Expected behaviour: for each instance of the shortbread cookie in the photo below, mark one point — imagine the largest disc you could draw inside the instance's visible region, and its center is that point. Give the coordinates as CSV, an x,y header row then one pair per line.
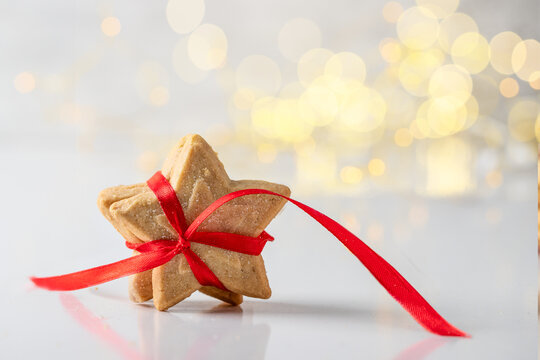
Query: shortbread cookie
x,y
199,178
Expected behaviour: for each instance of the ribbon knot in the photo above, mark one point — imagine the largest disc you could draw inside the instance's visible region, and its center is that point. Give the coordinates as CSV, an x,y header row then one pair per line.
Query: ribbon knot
x,y
182,245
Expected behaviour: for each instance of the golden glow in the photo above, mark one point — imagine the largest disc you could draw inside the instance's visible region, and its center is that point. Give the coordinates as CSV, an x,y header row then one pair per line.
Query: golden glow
x,y
318,105
363,110
279,119
183,66
448,166
185,15
471,51
446,116
243,99
509,87
266,153
403,137
440,8
522,119
259,74
298,36
159,96
502,45
534,80
391,50
111,26
392,11
312,65
451,81
24,82
376,167
526,59
453,27
494,179
351,175
416,69
417,28
207,47
346,65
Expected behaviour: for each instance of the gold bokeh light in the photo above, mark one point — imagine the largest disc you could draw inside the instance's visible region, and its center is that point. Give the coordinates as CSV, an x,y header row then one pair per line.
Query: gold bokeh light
x,y
418,28
207,47
24,82
185,15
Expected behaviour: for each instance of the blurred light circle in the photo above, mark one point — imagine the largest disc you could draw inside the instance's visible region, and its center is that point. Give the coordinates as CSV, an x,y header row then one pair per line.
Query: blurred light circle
x,y
537,129
291,90
416,69
150,75
363,110
183,66
243,99
24,82
266,152
339,87
391,50
446,116
318,105
159,96
351,174
526,59
346,65
509,87
451,80
440,8
392,11
298,36
473,109
403,137
185,15
260,74
207,47
522,118
312,65
400,107
111,26
417,28
279,119
262,116
453,27
534,80
502,45
288,125
376,167
471,51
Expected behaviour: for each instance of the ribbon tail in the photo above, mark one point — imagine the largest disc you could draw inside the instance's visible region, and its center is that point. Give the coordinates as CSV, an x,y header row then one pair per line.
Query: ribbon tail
x,y
201,271
102,274
396,285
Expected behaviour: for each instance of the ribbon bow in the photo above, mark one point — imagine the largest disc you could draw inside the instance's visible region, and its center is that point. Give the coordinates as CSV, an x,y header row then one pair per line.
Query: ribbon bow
x,y
158,252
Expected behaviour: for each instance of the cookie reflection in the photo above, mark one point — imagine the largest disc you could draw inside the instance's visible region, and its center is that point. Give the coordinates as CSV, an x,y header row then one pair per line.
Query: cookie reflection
x,y
196,330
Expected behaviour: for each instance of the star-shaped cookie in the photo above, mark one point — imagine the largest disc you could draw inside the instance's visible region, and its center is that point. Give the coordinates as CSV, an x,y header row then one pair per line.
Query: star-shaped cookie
x,y
198,178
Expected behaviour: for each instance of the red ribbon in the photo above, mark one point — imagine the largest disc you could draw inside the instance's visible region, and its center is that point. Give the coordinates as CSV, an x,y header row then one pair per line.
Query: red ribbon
x,y
158,252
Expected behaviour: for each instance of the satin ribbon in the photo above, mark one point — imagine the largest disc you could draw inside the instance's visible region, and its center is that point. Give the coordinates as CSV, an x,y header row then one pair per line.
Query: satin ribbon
x,y
158,252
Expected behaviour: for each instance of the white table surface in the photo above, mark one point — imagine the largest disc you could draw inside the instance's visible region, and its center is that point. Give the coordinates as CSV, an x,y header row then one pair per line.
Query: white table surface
x,y
474,259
